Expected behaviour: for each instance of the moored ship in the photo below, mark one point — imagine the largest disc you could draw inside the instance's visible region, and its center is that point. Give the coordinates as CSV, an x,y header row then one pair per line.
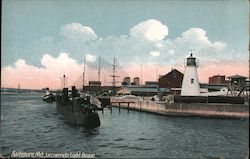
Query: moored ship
x,y
78,108
48,97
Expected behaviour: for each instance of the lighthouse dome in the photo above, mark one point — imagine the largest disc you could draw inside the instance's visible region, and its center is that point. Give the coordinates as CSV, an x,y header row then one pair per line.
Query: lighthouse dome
x,y
191,61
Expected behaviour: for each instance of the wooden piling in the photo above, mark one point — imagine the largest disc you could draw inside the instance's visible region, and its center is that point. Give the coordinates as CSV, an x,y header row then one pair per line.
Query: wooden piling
x,y
119,107
128,107
110,109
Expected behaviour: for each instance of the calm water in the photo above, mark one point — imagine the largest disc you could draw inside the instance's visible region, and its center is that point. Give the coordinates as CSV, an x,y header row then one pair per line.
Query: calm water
x,y
28,124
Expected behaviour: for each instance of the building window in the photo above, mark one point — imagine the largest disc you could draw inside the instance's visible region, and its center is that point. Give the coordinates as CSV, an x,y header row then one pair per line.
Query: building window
x,y
192,80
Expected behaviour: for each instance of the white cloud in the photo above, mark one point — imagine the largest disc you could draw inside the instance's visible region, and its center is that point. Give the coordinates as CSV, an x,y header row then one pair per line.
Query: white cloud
x,y
159,45
20,63
62,62
171,52
219,45
155,53
78,31
145,37
30,76
196,34
196,38
90,58
151,47
151,30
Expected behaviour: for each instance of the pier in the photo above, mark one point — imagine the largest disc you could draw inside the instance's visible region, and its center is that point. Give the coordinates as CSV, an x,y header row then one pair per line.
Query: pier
x,y
216,110
128,103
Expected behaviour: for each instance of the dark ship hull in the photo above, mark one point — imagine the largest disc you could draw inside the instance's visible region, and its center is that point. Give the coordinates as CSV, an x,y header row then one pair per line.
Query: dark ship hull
x,y
49,98
77,110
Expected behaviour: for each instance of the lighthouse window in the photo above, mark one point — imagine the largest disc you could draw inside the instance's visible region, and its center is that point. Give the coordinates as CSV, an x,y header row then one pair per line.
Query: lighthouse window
x,y
192,80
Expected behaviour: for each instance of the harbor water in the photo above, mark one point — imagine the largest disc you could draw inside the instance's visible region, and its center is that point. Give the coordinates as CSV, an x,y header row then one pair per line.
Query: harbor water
x,y
28,124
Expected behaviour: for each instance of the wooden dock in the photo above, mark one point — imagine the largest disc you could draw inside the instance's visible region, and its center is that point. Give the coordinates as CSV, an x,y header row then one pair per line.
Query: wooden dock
x,y
128,103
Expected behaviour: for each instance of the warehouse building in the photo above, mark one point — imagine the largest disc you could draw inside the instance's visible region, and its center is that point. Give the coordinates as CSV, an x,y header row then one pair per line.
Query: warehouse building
x,y
142,91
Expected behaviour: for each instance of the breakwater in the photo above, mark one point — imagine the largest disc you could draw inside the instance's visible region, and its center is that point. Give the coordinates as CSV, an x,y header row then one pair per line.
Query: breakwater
x,y
219,110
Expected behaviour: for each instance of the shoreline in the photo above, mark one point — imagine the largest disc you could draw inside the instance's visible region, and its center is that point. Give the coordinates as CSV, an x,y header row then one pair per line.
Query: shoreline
x,y
223,111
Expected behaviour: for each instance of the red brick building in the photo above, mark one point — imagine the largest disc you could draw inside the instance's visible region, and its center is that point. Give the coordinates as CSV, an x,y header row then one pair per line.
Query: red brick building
x,y
217,79
171,80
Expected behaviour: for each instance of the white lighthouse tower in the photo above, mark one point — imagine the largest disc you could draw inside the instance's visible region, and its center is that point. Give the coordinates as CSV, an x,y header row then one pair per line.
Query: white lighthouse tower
x,y
190,83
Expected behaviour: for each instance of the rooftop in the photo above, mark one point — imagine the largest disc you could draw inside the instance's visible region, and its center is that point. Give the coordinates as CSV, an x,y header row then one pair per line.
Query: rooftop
x,y
236,76
146,89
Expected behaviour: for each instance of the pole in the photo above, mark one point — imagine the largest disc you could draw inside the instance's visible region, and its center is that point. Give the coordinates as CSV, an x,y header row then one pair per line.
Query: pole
x,y
83,75
141,74
99,70
156,72
114,73
64,81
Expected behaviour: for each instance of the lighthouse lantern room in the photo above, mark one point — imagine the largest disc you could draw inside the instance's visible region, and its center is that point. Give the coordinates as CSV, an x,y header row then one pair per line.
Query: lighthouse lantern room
x,y
190,83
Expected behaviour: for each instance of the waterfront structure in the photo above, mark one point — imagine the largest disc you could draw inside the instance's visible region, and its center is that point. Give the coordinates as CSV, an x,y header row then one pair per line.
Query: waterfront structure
x,y
238,86
248,85
141,91
188,106
172,81
136,81
190,83
217,79
94,87
95,83
237,80
210,87
151,84
126,81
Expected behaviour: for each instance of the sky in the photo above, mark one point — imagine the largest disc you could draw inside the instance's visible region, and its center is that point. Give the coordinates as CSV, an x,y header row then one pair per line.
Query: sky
x,y
44,39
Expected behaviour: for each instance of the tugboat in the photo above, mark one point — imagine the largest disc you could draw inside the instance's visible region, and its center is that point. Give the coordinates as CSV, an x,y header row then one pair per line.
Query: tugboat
x,y
48,97
78,108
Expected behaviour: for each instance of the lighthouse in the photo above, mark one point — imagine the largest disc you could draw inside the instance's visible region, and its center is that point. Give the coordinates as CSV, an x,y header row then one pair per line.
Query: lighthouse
x,y
190,83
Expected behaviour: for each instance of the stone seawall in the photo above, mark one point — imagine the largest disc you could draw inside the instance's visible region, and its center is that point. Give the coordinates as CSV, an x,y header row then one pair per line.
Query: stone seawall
x,y
182,109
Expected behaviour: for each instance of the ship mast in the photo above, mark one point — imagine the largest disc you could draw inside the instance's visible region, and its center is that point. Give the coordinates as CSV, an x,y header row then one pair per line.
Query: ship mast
x,y
141,74
114,75
64,81
99,70
156,73
83,74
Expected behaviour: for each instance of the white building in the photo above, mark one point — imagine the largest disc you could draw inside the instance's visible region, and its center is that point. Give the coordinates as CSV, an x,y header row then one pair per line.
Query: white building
x,y
190,83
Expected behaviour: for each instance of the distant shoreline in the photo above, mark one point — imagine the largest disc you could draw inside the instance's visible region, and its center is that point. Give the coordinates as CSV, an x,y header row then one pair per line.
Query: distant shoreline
x,y
14,90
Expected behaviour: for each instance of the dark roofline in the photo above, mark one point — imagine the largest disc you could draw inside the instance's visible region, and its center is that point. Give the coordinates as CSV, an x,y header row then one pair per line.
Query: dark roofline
x,y
218,76
213,84
236,76
171,72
